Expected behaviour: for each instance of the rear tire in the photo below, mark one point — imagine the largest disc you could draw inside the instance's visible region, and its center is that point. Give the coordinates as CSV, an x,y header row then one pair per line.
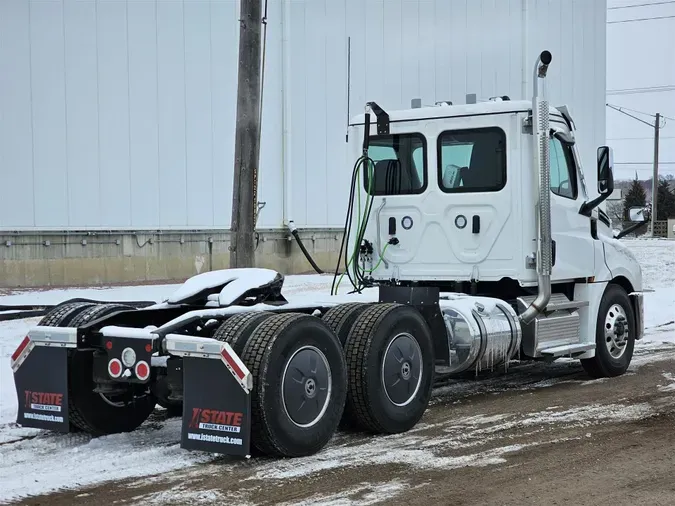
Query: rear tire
x,y
390,363
341,318
299,384
614,335
237,329
61,315
94,413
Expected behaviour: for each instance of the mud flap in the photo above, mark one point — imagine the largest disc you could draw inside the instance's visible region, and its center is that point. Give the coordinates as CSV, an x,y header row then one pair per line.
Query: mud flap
x,y
216,410
216,396
40,366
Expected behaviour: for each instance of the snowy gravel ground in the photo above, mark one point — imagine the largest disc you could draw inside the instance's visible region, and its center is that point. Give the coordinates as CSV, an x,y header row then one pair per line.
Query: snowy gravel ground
x,y
36,462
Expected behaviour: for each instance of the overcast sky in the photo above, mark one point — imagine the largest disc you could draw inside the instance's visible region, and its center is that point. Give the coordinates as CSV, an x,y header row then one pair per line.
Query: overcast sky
x,y
641,76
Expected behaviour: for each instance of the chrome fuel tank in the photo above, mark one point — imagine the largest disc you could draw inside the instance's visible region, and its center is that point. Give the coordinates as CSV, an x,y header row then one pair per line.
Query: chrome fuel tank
x,y
483,332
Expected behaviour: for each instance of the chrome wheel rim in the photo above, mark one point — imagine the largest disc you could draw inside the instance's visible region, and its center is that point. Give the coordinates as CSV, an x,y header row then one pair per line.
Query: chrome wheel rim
x,y
616,331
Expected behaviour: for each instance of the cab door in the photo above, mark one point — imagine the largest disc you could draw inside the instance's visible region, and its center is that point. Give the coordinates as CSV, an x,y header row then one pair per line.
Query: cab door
x,y
571,231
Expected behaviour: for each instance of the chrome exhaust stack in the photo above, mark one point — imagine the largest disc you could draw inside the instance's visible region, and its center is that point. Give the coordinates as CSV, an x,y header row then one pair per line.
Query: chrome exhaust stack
x,y
542,160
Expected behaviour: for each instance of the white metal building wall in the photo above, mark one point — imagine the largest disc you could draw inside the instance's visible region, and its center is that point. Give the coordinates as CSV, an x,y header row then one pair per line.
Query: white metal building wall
x,y
120,114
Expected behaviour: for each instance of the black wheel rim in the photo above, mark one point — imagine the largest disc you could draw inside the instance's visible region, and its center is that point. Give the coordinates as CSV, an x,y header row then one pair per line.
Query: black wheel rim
x,y
402,369
306,386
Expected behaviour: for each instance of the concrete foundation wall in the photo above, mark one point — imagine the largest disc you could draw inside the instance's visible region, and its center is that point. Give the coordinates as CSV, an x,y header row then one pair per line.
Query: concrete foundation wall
x,y
101,258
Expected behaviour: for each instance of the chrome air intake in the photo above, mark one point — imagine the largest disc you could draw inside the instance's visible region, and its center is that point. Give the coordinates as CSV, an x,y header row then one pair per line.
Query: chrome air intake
x,y
483,333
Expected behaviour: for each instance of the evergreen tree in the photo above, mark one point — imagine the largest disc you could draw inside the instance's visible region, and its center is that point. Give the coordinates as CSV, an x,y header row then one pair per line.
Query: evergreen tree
x,y
635,197
665,205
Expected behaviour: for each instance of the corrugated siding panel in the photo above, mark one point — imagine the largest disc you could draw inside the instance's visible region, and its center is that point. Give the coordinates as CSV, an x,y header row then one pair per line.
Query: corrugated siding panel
x,y
16,122
121,114
437,50
82,114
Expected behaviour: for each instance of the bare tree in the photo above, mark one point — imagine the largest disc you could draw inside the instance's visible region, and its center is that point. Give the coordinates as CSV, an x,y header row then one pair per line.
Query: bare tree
x,y
615,213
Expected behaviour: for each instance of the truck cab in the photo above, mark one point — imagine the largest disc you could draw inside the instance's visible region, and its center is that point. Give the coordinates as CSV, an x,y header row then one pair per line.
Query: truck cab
x,y
456,186
490,200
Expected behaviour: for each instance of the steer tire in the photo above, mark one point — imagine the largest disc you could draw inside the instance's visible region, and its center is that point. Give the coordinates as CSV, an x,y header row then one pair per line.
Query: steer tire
x,y
392,343
341,318
90,411
615,302
237,329
287,357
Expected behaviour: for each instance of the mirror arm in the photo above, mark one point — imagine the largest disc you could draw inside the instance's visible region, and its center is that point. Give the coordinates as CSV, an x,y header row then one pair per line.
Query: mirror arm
x,y
587,207
630,229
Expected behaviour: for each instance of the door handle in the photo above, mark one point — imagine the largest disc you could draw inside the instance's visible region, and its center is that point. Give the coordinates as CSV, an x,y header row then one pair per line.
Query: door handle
x,y
392,226
475,224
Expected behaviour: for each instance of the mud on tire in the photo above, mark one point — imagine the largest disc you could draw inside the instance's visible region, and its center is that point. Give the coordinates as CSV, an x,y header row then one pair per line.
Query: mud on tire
x,y
299,384
90,411
614,335
390,364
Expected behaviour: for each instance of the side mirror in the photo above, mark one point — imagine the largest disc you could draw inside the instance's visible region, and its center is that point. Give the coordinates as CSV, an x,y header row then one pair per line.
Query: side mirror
x,y
638,214
605,170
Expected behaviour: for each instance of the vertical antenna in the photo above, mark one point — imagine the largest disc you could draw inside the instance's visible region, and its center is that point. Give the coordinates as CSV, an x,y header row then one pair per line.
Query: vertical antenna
x,y
349,77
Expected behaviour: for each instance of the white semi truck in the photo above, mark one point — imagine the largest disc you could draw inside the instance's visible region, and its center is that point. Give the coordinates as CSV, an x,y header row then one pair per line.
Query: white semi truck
x,y
480,241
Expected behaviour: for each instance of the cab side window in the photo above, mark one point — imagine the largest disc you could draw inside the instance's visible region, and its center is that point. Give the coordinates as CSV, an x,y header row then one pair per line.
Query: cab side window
x,y
563,170
472,160
399,165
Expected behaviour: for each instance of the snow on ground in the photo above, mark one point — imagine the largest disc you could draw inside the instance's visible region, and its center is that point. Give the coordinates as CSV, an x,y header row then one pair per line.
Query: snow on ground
x,y
34,461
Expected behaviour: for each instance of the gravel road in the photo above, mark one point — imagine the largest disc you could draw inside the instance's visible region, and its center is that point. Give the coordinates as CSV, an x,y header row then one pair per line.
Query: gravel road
x,y
539,434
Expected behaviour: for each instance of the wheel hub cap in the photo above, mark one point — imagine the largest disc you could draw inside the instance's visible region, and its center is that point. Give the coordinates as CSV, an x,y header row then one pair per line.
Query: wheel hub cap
x,y
306,386
402,369
616,331
310,388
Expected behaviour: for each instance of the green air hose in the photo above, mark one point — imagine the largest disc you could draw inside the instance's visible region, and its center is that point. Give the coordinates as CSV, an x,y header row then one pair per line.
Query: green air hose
x,y
361,225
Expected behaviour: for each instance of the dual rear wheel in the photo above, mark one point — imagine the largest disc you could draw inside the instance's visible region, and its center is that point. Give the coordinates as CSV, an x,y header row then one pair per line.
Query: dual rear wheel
x,y
362,366
96,413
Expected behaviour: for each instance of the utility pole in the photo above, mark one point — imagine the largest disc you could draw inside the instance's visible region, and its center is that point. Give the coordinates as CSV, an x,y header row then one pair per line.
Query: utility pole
x,y
247,137
655,178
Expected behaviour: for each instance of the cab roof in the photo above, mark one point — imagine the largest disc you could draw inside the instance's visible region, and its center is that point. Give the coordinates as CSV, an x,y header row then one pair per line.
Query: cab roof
x,y
446,111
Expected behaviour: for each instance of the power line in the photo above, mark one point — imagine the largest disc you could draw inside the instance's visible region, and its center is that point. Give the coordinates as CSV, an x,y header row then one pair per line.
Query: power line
x,y
641,5
639,138
635,20
621,110
643,163
632,110
635,91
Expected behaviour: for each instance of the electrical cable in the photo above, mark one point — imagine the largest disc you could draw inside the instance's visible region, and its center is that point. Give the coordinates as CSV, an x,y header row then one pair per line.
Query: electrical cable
x,y
619,109
663,2
351,267
639,19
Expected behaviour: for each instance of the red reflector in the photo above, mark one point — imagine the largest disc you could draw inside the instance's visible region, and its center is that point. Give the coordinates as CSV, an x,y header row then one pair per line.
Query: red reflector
x,y
20,349
142,370
230,361
148,348
115,368
108,345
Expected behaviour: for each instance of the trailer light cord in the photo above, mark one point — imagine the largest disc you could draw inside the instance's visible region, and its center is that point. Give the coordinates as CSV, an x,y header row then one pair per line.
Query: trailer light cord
x,y
358,281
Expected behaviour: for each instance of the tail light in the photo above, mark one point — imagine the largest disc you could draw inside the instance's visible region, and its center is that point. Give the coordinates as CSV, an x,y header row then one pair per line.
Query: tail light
x,y
142,370
115,368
